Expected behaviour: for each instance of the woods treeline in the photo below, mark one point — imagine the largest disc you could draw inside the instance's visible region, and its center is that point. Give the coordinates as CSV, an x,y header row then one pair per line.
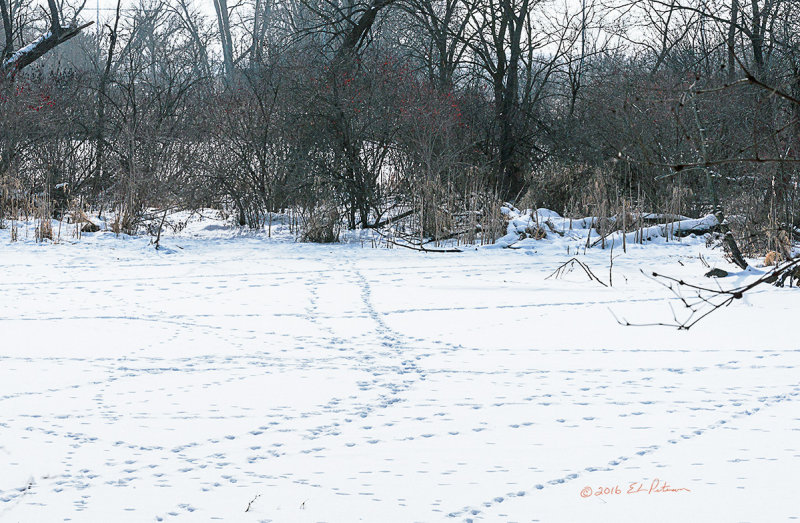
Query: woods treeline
x,y
355,113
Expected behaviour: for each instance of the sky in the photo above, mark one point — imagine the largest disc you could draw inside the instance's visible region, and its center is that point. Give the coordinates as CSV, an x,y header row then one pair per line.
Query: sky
x,y
107,7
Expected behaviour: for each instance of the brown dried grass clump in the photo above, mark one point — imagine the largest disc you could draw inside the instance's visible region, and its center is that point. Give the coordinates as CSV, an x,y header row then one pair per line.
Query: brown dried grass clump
x,y
85,223
536,232
122,224
772,258
44,228
44,231
321,225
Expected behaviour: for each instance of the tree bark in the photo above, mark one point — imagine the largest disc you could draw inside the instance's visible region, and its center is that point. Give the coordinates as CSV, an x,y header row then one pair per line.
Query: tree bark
x,y
354,38
9,31
101,107
223,21
732,40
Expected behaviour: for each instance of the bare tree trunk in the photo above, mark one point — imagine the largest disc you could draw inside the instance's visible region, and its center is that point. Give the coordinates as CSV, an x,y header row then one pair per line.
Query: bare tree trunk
x,y
732,40
355,37
223,21
101,107
9,31
191,26
757,37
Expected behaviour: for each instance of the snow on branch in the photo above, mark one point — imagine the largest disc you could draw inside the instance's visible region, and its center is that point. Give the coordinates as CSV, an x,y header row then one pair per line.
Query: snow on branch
x,y
38,48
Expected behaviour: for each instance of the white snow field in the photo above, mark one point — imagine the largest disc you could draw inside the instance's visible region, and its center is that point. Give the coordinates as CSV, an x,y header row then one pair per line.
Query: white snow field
x,y
233,377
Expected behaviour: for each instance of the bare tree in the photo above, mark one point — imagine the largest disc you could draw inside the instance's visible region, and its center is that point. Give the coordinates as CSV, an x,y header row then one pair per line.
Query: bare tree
x,y
437,34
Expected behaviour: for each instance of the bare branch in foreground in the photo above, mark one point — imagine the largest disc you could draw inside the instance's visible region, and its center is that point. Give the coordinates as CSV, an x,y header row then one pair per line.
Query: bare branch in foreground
x,y
704,300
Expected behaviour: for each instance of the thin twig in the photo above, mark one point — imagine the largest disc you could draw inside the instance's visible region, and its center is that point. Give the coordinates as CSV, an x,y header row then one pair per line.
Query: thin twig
x,y
710,300
561,270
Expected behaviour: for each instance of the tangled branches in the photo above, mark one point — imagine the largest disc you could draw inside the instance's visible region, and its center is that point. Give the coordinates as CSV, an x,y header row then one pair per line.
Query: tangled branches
x,y
705,301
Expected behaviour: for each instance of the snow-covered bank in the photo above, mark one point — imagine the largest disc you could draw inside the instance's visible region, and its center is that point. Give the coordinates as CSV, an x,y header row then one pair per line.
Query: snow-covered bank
x,y
345,383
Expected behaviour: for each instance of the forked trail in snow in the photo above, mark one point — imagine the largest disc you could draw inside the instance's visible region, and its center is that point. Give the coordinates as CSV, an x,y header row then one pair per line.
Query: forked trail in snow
x,y
341,383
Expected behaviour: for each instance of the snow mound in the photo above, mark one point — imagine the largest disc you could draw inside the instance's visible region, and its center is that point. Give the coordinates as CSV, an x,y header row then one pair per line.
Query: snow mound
x,y
548,225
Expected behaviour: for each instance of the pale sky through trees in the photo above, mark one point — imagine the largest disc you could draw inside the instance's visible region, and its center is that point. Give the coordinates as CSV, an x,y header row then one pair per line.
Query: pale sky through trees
x,y
105,8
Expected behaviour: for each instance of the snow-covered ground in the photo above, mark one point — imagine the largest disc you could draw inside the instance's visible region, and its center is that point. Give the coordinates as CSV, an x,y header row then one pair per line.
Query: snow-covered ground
x,y
347,383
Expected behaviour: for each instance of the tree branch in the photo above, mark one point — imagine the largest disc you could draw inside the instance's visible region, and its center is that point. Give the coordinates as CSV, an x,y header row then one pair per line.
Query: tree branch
x,y
36,49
